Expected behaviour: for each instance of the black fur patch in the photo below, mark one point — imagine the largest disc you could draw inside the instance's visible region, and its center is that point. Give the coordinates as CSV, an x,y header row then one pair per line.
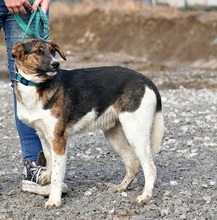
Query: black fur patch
x,y
98,88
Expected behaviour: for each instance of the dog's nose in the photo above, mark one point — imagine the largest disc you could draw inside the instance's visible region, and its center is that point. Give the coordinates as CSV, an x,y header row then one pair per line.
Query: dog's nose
x,y
55,64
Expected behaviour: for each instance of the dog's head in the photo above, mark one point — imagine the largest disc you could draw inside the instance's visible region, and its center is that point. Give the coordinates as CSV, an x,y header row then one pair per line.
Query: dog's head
x,y
36,58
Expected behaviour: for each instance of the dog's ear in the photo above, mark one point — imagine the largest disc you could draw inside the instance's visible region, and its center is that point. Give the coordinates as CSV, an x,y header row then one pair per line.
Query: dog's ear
x,y
17,49
58,49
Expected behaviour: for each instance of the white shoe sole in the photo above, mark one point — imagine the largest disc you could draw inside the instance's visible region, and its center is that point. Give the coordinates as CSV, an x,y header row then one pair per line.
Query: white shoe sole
x,y
31,187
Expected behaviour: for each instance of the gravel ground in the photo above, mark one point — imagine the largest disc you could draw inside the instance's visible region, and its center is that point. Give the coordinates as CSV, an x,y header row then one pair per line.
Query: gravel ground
x,y
186,186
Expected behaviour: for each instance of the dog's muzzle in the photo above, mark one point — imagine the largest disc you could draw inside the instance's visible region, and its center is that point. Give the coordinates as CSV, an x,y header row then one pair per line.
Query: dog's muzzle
x,y
54,66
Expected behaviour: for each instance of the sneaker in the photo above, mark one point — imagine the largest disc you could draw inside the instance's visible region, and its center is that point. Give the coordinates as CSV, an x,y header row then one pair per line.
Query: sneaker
x,y
32,174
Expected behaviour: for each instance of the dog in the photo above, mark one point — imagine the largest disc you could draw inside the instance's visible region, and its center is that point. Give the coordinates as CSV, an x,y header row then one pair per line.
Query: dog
x,y
124,104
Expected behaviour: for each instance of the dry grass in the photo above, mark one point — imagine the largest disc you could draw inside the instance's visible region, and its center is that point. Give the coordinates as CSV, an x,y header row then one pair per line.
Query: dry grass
x,y
60,9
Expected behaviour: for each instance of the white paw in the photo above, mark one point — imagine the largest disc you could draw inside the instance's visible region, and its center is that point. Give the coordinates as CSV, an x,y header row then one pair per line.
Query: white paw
x,y
52,204
45,178
144,198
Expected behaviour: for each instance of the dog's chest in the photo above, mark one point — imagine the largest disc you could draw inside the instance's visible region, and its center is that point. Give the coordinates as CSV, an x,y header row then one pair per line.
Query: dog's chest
x,y
30,107
30,97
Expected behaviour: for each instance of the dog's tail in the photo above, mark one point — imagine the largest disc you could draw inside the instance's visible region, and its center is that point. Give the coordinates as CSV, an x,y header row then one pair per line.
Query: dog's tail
x,y
157,133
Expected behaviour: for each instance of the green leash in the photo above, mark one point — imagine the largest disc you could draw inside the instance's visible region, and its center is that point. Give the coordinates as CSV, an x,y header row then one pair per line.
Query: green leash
x,y
40,21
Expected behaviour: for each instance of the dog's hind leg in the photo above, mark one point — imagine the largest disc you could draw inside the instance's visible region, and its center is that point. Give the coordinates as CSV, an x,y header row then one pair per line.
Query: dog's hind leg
x,y
139,139
119,142
137,127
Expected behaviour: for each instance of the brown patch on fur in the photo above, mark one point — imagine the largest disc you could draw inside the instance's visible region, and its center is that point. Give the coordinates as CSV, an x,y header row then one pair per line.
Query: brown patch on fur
x,y
57,108
17,93
30,62
60,139
129,101
17,50
27,62
59,144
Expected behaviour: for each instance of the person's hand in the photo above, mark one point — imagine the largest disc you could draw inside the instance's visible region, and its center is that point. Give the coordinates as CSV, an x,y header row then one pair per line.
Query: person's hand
x,y
17,6
44,5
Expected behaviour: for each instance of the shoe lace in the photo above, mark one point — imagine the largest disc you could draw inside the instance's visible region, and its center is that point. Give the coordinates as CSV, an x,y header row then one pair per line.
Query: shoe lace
x,y
36,173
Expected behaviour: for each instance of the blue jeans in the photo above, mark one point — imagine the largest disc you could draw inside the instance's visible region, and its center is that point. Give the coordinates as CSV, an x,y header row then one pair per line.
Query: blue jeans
x,y
29,140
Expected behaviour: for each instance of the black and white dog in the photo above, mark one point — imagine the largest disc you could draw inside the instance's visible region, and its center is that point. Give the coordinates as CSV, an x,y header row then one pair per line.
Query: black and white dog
x,y
124,104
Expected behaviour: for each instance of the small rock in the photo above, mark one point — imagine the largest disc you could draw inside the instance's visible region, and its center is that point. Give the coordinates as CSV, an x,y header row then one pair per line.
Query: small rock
x,y
193,155
183,216
207,199
212,183
88,193
173,183
12,192
178,202
164,212
124,194
167,193
205,185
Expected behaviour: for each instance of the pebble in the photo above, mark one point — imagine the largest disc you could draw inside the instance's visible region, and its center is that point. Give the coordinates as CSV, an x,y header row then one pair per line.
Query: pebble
x,y
12,192
212,183
124,194
164,212
173,183
88,193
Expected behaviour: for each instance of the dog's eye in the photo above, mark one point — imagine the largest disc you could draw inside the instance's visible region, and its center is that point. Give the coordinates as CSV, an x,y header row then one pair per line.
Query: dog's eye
x,y
53,52
39,52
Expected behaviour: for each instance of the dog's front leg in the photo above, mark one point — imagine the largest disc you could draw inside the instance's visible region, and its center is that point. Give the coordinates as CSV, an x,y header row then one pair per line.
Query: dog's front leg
x,y
57,176
58,152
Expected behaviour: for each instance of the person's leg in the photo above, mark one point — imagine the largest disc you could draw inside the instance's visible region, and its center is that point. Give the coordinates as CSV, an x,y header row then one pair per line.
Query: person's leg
x,y
29,140
30,143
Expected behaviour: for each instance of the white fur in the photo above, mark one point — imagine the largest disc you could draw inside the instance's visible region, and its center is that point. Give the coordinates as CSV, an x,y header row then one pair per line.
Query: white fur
x,y
137,128
91,122
31,112
58,172
157,133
